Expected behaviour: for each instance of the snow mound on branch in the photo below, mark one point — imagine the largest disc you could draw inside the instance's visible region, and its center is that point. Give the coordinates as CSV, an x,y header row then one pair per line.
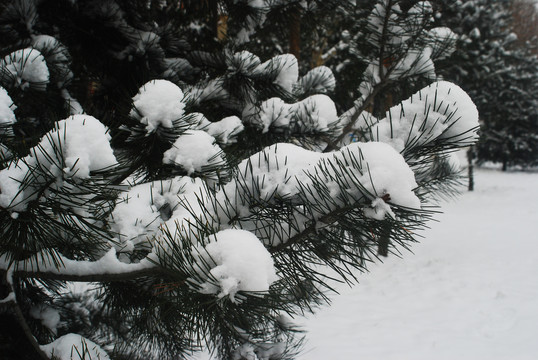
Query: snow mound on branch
x,y
57,57
74,347
415,62
224,131
7,116
85,143
442,40
145,207
388,174
358,174
243,62
315,113
194,151
440,111
287,70
378,210
376,166
158,103
272,112
235,261
77,146
265,351
47,43
49,316
24,68
320,79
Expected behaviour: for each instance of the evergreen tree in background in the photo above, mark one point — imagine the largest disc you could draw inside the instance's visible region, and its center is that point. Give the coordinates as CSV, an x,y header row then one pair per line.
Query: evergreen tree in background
x,y
163,188
500,73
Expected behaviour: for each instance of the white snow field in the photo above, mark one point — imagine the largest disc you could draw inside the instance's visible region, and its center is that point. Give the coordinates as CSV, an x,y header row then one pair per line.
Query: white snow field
x,y
469,290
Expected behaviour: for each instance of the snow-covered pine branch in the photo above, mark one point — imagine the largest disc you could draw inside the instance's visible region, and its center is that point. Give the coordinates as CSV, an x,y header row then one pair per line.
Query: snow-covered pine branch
x,y
298,187
196,195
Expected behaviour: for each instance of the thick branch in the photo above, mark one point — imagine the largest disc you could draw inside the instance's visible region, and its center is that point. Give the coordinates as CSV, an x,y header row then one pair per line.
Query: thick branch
x,y
384,38
358,109
95,277
16,311
108,268
10,303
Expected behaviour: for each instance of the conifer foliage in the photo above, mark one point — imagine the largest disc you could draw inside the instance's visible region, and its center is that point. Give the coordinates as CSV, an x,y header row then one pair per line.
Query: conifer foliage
x,y
163,188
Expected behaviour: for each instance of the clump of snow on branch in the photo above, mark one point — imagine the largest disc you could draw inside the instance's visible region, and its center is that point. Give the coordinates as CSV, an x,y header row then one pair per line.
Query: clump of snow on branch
x,y
85,144
72,104
73,346
442,41
7,116
224,131
318,80
243,62
315,113
24,68
378,210
388,174
57,57
161,103
414,62
236,261
48,316
158,103
287,67
141,210
380,23
77,146
193,151
440,111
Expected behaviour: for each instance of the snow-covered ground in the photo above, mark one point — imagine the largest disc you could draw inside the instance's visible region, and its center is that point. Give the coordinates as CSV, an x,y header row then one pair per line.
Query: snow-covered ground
x,y
469,290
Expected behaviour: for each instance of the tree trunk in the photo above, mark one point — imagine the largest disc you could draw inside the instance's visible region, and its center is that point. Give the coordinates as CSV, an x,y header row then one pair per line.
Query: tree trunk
x,y
470,168
295,33
214,11
384,240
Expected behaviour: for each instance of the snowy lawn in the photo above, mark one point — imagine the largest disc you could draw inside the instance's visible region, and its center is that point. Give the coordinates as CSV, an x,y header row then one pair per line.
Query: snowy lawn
x,y
469,291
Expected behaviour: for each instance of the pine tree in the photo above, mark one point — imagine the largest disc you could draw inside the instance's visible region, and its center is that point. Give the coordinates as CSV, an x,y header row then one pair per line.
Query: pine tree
x,y
386,50
162,188
500,74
